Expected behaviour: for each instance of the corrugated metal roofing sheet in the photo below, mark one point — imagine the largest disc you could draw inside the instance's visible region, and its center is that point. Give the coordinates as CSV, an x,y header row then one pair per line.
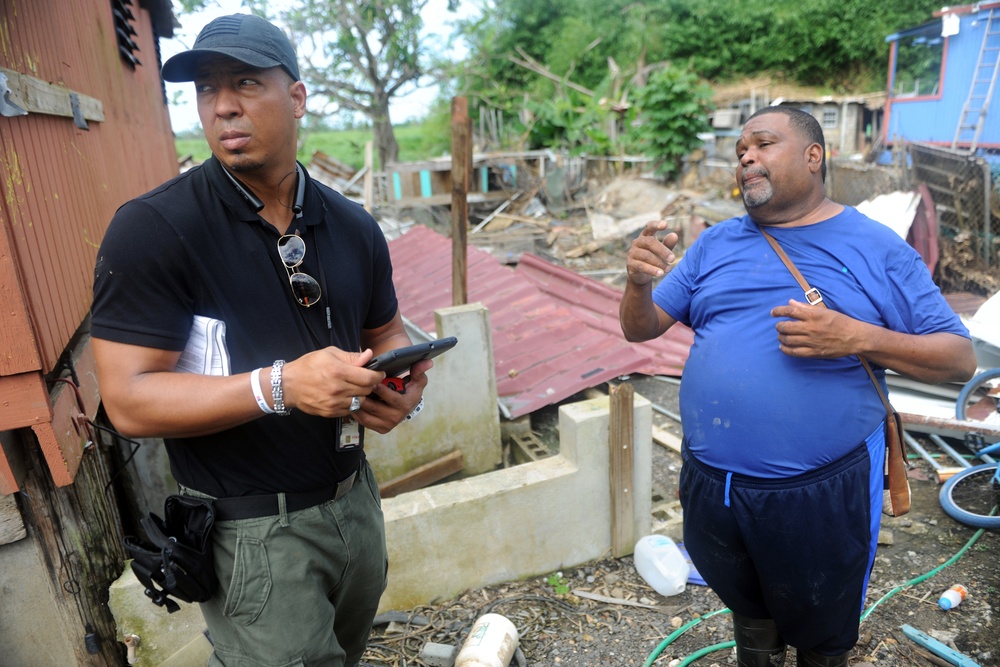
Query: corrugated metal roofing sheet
x,y
555,333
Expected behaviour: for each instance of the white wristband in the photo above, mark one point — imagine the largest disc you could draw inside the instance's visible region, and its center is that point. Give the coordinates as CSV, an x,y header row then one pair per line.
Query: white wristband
x,y
416,410
258,394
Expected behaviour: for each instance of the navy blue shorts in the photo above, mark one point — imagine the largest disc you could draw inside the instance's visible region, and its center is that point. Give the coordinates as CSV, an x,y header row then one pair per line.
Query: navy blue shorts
x,y
798,550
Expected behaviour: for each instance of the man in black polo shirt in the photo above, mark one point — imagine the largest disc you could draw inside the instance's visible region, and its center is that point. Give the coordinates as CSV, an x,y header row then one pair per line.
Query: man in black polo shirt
x,y
289,281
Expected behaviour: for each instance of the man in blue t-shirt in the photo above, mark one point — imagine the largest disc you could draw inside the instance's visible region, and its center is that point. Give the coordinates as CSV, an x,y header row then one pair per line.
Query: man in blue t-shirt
x,y
783,430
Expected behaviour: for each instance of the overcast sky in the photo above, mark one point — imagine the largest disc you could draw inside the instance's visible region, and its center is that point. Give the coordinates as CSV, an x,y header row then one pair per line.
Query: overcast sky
x,y
184,115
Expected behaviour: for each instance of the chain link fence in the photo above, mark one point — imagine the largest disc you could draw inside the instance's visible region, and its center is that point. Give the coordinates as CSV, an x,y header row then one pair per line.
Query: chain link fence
x,y
966,198
967,202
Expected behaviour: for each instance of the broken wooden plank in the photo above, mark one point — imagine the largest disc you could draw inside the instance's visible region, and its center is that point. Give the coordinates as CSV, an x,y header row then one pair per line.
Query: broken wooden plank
x,y
11,523
596,597
622,464
424,475
461,177
667,439
38,96
495,212
585,249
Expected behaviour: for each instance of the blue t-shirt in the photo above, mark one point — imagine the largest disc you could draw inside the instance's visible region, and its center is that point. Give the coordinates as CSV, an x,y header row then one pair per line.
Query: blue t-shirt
x,y
746,406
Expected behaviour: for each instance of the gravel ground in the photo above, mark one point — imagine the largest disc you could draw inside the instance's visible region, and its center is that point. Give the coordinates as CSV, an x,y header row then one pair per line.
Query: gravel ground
x,y
603,614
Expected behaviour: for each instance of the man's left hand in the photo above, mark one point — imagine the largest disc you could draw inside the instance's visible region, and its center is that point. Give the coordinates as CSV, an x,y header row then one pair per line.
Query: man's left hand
x,y
385,408
817,332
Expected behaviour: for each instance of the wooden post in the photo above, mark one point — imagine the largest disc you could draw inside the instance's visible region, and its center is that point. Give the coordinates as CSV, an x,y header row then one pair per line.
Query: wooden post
x,y
620,440
78,535
369,183
461,175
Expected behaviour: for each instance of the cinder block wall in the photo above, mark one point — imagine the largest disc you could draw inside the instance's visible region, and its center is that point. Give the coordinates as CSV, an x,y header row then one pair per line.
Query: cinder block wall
x,y
460,405
518,522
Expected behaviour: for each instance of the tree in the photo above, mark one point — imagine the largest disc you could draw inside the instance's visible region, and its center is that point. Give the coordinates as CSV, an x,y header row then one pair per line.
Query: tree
x,y
355,54
671,109
839,44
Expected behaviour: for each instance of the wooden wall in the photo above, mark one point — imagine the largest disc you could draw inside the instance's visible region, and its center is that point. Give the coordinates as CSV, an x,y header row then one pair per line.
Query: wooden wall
x,y
60,186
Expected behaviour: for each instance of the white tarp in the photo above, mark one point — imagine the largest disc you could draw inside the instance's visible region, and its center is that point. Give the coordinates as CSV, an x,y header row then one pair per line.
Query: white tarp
x,y
985,329
895,210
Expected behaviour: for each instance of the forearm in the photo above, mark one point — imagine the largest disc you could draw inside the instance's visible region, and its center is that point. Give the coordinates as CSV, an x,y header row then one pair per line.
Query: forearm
x,y
640,318
176,405
930,358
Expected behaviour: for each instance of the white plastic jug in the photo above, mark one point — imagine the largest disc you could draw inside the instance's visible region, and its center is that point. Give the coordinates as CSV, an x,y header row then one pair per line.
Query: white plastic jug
x,y
661,564
491,643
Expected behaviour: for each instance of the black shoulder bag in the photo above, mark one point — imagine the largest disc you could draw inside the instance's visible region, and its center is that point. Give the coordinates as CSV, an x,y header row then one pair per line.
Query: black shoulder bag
x,y
177,561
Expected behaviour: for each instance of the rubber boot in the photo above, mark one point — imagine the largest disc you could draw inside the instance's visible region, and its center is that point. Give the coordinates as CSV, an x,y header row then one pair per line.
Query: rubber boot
x,y
814,659
758,643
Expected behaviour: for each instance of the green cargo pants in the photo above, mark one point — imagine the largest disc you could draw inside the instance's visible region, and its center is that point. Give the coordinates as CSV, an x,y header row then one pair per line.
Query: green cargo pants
x,y
299,588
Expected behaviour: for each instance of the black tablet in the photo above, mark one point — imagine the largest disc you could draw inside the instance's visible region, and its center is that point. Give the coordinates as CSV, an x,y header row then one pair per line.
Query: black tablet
x,y
396,361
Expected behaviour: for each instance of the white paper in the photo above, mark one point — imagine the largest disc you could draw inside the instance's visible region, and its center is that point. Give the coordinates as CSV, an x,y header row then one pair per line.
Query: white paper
x,y
206,352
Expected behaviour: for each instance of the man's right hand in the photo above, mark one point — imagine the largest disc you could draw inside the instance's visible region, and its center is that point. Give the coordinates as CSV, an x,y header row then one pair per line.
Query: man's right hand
x,y
649,257
323,382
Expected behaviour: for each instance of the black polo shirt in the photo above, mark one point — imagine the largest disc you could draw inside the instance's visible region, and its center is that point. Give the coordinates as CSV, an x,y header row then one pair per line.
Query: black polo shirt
x,y
195,246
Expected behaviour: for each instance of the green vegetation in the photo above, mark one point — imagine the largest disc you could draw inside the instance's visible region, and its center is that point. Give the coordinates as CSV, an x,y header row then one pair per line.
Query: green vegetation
x,y
835,43
672,108
559,583
601,78
347,146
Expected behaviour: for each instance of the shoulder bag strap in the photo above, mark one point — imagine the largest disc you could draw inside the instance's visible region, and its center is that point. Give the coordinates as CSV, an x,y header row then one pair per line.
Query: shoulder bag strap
x,y
816,299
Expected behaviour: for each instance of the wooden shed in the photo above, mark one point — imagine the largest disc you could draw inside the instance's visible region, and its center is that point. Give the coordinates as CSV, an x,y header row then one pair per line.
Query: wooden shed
x,y
84,126
942,80
94,132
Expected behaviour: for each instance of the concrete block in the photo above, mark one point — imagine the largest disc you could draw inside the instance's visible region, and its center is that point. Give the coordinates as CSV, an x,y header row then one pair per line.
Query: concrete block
x,y
29,621
438,655
176,639
460,405
520,426
518,522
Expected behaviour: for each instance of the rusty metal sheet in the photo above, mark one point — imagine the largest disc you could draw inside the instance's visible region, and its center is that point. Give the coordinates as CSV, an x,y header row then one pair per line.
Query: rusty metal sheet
x,y
555,333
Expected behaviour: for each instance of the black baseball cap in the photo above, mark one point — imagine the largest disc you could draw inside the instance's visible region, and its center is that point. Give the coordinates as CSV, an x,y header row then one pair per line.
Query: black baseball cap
x,y
247,38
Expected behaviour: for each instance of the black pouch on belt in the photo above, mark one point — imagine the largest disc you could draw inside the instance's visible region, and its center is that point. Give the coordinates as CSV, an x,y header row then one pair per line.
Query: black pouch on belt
x,y
177,561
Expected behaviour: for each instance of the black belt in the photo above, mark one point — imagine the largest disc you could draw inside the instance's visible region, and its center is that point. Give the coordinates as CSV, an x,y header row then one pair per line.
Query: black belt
x,y
254,507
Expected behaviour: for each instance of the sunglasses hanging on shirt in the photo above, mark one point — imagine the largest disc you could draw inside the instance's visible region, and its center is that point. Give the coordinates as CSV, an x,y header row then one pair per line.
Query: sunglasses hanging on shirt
x,y
305,288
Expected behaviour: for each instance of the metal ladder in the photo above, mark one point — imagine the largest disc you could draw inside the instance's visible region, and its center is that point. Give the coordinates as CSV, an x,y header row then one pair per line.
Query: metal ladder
x,y
973,115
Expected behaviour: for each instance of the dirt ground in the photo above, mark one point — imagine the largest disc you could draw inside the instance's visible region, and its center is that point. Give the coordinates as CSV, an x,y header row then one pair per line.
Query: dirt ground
x,y
628,622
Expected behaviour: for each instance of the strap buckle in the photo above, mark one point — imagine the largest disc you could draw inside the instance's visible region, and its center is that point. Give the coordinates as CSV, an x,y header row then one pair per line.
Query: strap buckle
x,y
814,297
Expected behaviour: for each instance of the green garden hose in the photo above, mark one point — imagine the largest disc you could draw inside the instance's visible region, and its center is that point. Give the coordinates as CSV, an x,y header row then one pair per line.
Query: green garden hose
x,y
728,645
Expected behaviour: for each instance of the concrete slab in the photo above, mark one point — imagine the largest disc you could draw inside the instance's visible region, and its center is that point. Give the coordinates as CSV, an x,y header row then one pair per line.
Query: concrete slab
x,y
460,405
33,637
164,638
517,522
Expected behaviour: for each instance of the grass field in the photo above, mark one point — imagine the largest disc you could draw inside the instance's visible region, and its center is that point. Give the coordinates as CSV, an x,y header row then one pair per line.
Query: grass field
x,y
416,142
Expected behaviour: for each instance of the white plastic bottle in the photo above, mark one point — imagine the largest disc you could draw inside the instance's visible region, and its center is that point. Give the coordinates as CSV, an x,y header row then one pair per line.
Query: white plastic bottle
x,y
491,643
952,597
661,564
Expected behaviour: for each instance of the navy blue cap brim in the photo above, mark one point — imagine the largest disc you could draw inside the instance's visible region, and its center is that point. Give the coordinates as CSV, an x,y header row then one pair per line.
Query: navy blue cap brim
x,y
184,66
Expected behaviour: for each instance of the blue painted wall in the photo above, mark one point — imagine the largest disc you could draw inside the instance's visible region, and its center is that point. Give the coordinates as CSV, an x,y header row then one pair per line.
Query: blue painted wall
x,y
934,119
